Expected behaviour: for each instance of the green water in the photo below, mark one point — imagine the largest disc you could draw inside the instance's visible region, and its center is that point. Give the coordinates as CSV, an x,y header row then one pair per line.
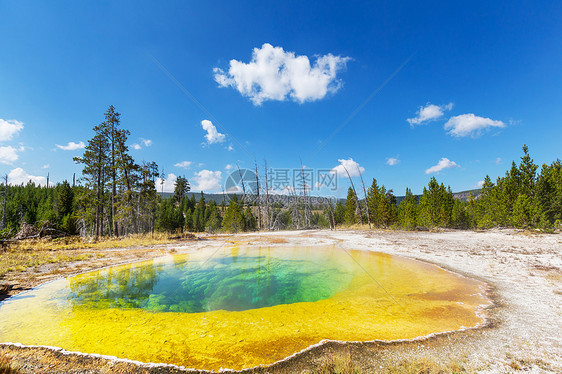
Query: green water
x,y
238,307
237,282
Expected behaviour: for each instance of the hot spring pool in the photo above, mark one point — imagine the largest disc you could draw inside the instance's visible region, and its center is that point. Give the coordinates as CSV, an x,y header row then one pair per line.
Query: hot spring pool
x,y
241,307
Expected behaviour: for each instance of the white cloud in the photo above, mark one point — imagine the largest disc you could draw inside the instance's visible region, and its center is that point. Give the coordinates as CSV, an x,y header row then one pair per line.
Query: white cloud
x,y
444,163
19,176
469,124
8,154
46,166
498,160
274,74
137,146
234,189
352,167
168,185
480,184
9,129
71,146
392,161
207,180
230,147
429,113
212,136
183,164
229,166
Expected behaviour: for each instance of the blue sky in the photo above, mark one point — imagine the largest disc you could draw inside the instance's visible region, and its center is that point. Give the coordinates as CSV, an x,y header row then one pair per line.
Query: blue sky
x,y
477,80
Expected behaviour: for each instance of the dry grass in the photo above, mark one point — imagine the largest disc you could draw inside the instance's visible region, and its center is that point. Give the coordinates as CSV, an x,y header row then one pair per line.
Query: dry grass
x,y
339,363
5,366
424,366
31,253
20,260
342,363
76,242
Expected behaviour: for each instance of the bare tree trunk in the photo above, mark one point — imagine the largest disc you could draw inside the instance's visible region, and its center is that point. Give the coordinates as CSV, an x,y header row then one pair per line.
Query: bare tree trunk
x,y
365,193
306,206
258,195
266,196
113,183
5,198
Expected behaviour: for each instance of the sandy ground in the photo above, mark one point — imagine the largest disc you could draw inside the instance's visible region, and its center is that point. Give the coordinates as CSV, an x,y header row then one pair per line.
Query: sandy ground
x,y
525,324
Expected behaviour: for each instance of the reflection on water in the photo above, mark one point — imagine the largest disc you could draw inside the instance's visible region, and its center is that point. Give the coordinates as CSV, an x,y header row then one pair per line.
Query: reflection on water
x,y
241,307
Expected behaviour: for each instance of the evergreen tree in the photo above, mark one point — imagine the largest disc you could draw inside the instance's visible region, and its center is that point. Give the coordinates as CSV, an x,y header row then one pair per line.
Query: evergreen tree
x,y
339,213
407,211
250,222
214,220
350,207
233,220
95,176
181,187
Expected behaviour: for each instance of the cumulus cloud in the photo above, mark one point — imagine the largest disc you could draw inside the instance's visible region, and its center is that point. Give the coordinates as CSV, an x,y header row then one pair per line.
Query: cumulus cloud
x,y
229,166
146,142
444,163
498,160
8,155
392,161
183,164
352,167
166,185
469,124
212,136
480,184
19,176
276,74
46,166
207,180
428,113
9,129
71,146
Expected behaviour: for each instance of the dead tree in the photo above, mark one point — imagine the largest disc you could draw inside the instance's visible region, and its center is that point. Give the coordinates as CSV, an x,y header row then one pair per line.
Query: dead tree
x,y
243,186
258,195
266,196
306,209
4,205
366,201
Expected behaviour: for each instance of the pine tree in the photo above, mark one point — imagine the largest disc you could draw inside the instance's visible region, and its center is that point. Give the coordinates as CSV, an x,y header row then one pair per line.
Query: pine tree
x,y
181,188
213,223
95,175
250,222
233,220
408,211
350,208
339,213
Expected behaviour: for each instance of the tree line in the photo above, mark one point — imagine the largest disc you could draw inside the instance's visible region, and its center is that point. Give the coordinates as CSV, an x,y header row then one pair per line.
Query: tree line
x,y
522,198
117,196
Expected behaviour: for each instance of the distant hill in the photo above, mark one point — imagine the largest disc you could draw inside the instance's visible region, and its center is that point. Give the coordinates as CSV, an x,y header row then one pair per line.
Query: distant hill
x,y
462,195
218,198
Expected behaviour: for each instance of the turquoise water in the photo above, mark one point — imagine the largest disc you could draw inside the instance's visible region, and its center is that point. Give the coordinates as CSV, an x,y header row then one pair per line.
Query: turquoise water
x,y
237,282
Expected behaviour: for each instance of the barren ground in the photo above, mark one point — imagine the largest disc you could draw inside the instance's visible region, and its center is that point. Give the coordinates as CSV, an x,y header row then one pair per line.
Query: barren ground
x,y
525,325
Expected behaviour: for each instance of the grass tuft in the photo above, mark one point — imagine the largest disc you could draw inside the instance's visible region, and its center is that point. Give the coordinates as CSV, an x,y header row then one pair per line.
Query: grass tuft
x,y
339,363
6,367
